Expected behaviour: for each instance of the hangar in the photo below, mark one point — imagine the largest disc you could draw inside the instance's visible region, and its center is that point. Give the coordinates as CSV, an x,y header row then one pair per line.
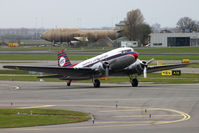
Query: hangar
x,y
174,39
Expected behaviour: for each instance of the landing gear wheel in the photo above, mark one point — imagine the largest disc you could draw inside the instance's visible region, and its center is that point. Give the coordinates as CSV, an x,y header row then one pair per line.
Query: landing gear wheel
x,y
96,83
69,82
134,82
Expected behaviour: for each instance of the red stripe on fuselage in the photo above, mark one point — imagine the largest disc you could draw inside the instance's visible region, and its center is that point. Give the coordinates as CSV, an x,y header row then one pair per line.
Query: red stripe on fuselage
x,y
62,55
61,51
66,63
73,65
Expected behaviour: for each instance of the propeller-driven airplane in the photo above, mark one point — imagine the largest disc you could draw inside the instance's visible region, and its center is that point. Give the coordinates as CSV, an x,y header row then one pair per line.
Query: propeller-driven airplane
x,y
118,62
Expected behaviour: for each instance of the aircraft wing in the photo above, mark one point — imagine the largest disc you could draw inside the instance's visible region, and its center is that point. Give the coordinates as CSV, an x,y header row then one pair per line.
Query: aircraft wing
x,y
151,69
63,73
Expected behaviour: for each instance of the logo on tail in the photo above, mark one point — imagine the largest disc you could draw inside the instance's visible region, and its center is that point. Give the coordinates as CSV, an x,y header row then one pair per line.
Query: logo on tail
x,y
63,60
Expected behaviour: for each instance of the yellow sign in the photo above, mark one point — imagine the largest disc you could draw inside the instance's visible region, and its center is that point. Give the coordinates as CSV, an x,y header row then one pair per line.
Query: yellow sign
x,y
167,73
104,78
159,63
176,72
13,45
185,60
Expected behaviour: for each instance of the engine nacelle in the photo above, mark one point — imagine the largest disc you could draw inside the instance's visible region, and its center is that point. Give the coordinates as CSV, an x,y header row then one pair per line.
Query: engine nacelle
x,y
136,67
122,62
101,66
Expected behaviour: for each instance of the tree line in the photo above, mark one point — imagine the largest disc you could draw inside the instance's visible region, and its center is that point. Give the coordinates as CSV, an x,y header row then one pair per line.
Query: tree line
x,y
136,29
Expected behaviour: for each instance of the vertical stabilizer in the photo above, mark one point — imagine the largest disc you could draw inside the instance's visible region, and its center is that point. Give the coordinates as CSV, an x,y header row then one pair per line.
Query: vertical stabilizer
x,y
63,60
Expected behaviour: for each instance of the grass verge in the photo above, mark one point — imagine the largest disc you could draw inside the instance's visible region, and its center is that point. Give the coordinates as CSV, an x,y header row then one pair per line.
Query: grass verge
x,y
168,50
84,57
10,118
104,49
152,77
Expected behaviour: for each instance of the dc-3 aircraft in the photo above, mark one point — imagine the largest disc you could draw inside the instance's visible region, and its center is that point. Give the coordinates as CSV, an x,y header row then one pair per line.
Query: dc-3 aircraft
x,y
118,62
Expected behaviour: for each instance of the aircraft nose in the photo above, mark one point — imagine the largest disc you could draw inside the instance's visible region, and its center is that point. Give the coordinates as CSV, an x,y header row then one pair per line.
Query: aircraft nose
x,y
135,55
43,36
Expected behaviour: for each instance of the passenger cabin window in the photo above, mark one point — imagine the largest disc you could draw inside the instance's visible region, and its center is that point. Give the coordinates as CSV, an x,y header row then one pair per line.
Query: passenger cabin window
x,y
126,51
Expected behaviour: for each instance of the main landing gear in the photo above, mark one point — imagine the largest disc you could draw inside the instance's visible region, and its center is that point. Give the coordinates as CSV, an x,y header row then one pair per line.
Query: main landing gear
x,y
96,83
69,82
134,81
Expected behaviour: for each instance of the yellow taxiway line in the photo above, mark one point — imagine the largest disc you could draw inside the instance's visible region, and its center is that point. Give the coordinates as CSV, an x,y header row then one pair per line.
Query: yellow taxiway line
x,y
127,109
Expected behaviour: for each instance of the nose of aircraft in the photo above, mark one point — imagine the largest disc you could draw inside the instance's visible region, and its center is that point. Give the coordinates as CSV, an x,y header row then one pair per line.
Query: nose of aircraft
x,y
43,36
135,55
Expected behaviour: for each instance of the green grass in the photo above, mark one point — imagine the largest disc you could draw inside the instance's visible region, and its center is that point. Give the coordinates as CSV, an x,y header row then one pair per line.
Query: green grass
x,y
171,57
40,57
6,62
102,49
193,66
22,78
158,78
152,77
27,57
13,72
82,49
30,48
9,118
168,50
84,57
189,66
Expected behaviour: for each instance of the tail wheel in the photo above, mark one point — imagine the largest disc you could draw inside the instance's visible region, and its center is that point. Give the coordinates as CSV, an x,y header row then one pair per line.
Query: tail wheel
x,y
96,83
134,82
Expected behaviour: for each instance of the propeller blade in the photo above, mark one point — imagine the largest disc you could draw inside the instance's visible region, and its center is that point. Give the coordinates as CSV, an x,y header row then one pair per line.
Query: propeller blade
x,y
150,61
107,71
145,72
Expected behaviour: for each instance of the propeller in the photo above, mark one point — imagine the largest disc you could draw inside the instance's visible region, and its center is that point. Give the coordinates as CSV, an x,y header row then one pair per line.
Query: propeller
x,y
106,66
145,64
145,72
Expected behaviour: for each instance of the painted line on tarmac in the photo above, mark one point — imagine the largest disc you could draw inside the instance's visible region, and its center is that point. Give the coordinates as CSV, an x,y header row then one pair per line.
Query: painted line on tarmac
x,y
97,106
108,111
77,127
41,106
124,123
185,115
132,116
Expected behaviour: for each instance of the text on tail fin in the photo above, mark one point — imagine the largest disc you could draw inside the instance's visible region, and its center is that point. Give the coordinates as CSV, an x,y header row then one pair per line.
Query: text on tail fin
x,y
63,60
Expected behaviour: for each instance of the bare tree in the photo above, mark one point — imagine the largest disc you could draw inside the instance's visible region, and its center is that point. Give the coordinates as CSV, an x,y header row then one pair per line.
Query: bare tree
x,y
187,23
156,28
197,26
135,28
134,18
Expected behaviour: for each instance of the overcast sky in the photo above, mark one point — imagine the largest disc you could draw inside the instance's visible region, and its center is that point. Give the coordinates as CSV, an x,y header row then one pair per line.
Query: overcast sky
x,y
91,13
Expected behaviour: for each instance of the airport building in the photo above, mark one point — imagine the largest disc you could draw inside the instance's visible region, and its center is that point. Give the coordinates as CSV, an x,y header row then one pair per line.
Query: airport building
x,y
174,39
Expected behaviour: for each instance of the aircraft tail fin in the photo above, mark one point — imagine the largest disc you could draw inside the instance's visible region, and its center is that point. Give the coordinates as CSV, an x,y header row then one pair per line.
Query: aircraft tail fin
x,y
63,60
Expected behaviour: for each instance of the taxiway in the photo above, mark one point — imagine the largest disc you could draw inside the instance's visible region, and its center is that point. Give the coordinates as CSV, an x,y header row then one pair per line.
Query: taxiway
x,y
173,108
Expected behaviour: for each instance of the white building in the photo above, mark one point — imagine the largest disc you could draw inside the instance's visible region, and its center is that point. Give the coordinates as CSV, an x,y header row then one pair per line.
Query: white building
x,y
129,44
174,39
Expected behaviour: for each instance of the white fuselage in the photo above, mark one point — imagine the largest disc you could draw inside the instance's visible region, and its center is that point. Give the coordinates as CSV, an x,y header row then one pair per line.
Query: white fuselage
x,y
108,56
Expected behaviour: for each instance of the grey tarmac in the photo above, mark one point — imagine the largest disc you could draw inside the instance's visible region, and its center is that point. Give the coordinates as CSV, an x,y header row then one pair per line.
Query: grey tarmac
x,y
173,107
